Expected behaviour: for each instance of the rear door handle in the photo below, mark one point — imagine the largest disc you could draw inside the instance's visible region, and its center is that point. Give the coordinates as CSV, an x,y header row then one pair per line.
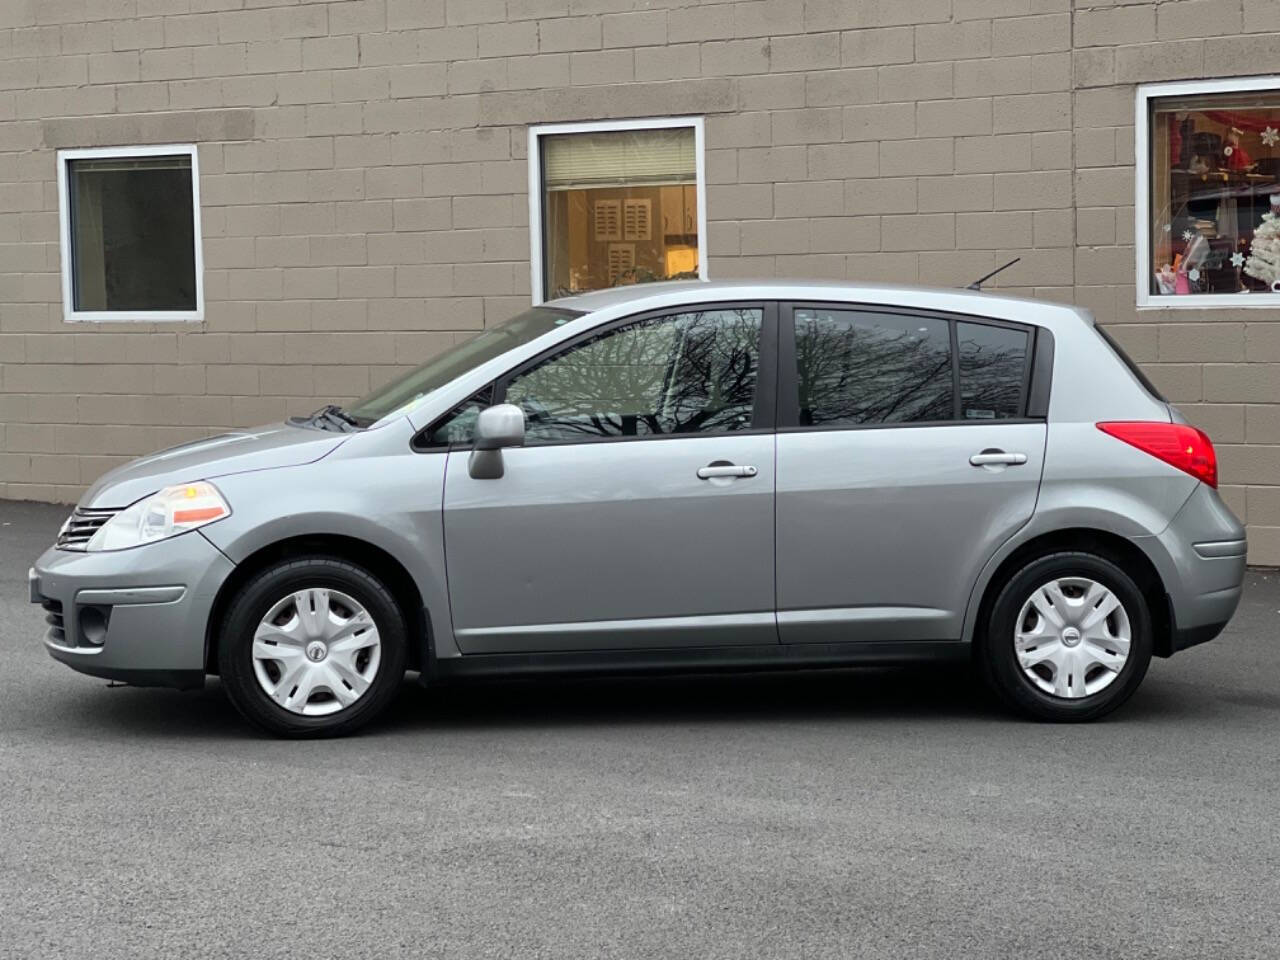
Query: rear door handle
x,y
716,470
988,458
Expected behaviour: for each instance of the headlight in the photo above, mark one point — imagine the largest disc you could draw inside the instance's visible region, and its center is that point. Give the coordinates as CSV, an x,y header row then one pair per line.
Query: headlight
x,y
172,511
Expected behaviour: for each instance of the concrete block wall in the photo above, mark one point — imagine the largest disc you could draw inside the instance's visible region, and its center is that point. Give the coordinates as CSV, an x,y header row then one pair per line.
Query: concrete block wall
x,y
364,194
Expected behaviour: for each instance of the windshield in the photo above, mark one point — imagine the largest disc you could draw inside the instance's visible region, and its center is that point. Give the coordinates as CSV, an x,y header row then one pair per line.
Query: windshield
x,y
457,360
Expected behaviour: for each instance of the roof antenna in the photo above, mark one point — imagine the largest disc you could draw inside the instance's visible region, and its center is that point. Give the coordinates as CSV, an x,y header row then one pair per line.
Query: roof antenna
x,y
977,284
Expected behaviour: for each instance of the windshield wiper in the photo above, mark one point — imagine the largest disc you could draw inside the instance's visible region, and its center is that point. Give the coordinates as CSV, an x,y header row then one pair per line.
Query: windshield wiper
x,y
334,416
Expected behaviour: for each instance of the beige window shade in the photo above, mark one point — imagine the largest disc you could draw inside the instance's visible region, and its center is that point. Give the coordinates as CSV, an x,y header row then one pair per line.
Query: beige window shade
x,y
618,159
126,164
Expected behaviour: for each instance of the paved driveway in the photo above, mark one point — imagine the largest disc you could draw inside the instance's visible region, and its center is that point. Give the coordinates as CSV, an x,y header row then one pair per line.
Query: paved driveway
x,y
874,814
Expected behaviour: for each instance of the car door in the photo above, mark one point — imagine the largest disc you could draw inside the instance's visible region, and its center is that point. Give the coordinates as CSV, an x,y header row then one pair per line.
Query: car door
x,y
905,458
639,512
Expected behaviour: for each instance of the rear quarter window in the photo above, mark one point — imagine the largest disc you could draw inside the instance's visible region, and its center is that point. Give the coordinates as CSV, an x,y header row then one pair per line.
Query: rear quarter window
x,y
993,370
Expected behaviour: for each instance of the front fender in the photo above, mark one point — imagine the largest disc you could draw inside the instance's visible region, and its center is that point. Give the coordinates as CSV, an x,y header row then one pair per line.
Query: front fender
x,y
390,498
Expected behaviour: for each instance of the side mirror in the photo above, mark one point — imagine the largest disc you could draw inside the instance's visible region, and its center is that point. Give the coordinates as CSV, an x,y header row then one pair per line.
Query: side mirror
x,y
496,427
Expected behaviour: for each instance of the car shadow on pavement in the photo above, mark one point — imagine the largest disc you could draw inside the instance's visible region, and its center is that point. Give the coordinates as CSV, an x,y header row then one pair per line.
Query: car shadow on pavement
x,y
917,694
866,693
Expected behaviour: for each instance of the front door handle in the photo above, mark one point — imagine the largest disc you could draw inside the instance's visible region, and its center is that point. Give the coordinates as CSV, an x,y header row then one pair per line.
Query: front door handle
x,y
716,470
991,458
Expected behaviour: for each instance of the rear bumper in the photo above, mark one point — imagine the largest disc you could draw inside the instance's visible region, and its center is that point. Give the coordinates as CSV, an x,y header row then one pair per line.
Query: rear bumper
x,y
138,616
1201,559
1197,617
1193,636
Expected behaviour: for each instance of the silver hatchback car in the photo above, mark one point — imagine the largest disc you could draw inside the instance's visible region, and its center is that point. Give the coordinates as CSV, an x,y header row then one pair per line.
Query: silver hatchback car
x,y
687,476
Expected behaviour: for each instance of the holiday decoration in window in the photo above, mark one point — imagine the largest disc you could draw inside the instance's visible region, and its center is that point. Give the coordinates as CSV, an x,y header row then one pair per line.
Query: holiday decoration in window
x,y
1264,253
1214,168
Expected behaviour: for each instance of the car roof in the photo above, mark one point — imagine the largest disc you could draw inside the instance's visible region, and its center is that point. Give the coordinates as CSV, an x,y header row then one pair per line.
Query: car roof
x,y
672,293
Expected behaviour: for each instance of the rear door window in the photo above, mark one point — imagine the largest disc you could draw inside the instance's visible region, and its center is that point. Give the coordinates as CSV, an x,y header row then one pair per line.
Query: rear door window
x,y
860,366
857,367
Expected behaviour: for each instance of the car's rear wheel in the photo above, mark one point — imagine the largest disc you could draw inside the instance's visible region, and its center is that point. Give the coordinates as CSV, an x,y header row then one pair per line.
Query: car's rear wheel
x,y
1068,637
312,647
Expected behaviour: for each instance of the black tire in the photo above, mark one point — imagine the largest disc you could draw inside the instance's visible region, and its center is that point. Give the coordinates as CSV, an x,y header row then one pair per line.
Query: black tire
x,y
998,660
255,599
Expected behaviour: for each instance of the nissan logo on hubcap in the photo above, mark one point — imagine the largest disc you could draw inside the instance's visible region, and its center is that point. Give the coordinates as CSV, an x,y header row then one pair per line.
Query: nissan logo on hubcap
x,y
1070,636
316,651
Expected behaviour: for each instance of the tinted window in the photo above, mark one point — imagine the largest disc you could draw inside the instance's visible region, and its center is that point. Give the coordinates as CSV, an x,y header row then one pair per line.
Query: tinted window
x,y
859,367
993,364
686,373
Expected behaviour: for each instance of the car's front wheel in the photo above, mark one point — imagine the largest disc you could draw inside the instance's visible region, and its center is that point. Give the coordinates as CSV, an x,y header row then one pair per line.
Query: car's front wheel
x,y
312,647
1068,637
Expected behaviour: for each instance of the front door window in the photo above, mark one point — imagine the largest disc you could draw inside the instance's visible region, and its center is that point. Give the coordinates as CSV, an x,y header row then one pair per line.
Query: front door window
x,y
684,373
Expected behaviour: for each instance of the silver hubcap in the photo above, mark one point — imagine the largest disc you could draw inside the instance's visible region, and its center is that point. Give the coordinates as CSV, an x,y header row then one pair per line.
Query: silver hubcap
x,y
1072,637
316,652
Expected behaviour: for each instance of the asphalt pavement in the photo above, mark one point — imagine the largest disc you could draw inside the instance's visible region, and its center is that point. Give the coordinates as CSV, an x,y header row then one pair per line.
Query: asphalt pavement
x,y
895,814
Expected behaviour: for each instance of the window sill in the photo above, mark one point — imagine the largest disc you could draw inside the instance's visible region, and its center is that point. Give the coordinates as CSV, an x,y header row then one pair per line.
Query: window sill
x,y
133,316
1211,301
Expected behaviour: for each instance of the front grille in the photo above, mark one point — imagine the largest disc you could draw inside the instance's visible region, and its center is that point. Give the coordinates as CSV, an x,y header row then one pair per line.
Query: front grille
x,y
57,632
81,526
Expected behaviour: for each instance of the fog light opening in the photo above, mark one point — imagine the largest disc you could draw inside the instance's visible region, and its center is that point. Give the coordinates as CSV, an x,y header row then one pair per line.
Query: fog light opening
x,y
93,624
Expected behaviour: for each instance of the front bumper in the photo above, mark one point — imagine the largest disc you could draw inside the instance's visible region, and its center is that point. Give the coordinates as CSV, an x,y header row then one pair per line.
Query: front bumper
x,y
138,615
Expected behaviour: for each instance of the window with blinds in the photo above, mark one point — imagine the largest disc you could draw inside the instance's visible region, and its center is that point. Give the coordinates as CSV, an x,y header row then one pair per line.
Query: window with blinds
x,y
618,206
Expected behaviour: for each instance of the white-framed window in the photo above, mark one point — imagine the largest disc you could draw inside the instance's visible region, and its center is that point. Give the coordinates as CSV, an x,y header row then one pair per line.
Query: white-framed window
x,y
1207,225
616,202
129,222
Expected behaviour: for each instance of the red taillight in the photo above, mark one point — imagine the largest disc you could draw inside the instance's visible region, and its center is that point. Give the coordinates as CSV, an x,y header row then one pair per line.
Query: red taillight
x,y
1176,444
